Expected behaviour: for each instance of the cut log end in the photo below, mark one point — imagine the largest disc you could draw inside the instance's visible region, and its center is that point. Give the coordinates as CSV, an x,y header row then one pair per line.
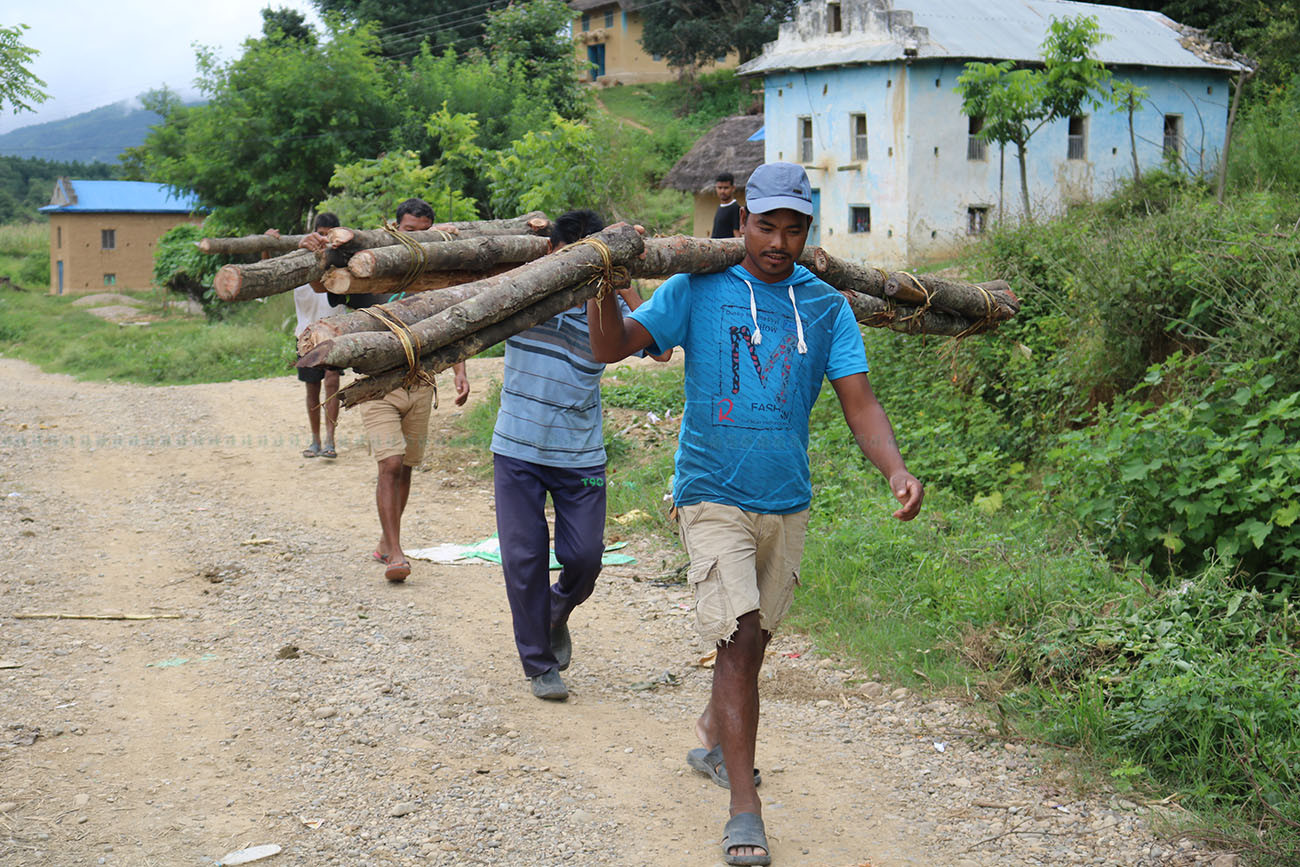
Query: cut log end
x,y
228,282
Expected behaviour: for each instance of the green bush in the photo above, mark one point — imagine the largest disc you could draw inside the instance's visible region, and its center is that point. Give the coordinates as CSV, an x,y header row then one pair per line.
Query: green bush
x,y
1198,684
1194,464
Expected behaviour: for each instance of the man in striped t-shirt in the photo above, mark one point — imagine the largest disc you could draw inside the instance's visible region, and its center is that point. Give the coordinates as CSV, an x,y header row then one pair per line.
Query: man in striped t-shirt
x,y
548,439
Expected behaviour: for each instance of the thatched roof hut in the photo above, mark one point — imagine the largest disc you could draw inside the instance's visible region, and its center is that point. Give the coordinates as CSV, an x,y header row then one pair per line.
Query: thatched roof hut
x,y
725,148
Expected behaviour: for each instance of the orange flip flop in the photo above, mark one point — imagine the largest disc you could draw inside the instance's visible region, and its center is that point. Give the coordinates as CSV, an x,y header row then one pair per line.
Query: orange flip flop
x,y
397,572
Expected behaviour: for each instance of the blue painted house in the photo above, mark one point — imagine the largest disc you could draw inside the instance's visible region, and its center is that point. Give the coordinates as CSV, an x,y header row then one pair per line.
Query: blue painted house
x,y
863,95
103,233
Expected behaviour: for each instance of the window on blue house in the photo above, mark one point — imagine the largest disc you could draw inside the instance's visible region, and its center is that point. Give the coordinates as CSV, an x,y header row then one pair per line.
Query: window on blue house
x,y
834,21
805,140
859,125
976,147
1077,138
977,219
859,219
1173,145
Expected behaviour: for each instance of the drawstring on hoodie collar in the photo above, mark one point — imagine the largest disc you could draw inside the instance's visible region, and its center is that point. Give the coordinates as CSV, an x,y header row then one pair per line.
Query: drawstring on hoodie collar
x,y
798,322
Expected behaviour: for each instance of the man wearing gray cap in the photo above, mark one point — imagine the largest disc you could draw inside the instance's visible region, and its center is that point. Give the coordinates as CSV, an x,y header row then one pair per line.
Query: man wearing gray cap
x,y
758,338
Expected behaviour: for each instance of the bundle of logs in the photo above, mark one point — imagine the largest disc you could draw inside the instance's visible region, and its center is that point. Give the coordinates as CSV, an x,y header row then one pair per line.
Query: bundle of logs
x,y
494,280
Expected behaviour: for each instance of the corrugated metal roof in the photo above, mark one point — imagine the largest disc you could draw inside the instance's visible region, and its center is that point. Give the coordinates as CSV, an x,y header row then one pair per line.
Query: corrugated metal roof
x,y
993,30
118,196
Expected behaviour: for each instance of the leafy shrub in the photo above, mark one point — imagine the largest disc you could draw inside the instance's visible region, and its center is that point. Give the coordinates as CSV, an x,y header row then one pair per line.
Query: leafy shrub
x,y
1199,684
1191,465
179,266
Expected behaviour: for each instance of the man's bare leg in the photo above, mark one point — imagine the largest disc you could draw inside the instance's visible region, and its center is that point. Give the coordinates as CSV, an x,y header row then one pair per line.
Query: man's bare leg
x,y
313,412
731,718
331,406
391,493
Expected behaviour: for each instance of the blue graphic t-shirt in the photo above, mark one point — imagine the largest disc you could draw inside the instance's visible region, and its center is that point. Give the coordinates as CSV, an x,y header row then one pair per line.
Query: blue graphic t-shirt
x,y
749,390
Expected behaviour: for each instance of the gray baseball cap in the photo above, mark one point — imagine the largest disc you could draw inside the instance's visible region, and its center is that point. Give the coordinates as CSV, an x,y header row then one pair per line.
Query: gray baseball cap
x,y
772,186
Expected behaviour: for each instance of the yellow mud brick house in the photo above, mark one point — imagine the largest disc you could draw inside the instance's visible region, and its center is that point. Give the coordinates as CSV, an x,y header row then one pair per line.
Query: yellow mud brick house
x,y
103,233
607,34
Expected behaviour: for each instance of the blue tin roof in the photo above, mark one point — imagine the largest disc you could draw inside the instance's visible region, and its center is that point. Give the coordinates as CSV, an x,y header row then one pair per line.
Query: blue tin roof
x,y
87,197
984,30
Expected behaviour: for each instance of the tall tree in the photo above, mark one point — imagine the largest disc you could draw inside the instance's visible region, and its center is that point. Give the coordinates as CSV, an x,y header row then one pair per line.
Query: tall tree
x,y
19,88
535,35
1016,102
277,121
403,28
693,33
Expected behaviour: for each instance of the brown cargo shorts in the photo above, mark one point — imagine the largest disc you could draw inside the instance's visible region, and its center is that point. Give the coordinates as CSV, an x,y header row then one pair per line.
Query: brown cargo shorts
x,y
740,562
398,424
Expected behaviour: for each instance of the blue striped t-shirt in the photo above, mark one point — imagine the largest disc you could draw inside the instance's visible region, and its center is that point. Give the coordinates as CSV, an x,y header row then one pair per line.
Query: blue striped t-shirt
x,y
550,398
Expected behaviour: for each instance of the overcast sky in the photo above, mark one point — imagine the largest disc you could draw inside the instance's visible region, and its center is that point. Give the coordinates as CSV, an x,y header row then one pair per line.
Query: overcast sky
x,y
105,51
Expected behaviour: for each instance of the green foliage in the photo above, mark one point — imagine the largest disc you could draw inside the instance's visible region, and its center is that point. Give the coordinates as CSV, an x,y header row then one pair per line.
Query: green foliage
x,y
371,190
25,254
694,33
1212,473
180,267
534,35
1199,683
50,332
499,95
550,169
1016,102
278,119
1264,151
405,28
20,89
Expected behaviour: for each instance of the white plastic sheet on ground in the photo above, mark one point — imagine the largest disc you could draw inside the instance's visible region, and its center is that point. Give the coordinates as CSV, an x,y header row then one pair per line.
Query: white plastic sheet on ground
x,y
489,551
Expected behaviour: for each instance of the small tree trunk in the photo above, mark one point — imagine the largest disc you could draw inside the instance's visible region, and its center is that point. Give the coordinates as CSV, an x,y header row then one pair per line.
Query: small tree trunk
x,y
1227,136
475,254
1024,181
1132,143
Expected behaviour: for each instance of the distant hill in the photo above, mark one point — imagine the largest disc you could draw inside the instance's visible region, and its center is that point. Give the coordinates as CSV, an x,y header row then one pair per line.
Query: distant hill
x,y
99,135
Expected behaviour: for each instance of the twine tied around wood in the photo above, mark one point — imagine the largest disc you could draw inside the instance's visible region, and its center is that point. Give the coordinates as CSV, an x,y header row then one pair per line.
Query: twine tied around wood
x,y
416,263
415,375
609,275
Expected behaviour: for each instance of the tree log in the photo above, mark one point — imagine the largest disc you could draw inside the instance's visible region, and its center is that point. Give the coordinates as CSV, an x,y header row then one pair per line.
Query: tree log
x,y
976,301
378,385
880,313
250,245
473,254
495,299
268,277
533,223
342,282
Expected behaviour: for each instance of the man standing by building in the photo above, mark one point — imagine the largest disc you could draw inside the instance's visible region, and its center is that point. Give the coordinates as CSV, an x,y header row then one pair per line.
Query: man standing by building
x,y
759,338
726,222
397,424
548,440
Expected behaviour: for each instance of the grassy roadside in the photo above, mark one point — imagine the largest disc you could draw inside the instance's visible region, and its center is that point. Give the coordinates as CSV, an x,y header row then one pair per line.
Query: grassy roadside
x,y
173,349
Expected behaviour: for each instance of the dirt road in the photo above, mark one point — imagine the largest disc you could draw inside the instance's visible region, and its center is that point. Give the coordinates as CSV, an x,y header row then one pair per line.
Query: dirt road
x,y
401,730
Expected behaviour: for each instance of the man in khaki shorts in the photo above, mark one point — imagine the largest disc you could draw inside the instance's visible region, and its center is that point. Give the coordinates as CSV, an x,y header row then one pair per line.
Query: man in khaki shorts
x,y
758,339
397,425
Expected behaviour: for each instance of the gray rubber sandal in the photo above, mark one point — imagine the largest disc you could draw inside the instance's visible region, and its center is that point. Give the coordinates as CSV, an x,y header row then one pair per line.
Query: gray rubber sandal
x,y
745,829
709,763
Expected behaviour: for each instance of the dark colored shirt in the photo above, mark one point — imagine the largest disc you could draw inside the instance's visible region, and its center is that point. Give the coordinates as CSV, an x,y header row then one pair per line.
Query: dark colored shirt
x,y
726,222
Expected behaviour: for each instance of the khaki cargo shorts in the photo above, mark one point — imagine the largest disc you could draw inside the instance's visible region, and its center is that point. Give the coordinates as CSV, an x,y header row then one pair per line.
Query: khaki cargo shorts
x,y
398,424
740,562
